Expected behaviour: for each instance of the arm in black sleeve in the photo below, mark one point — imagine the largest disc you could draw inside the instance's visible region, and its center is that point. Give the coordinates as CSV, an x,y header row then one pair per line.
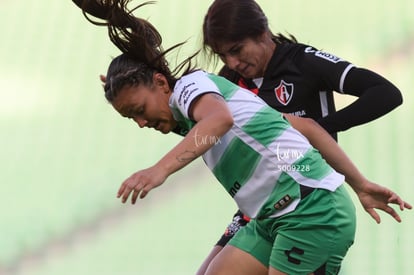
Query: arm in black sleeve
x,y
376,97
93,7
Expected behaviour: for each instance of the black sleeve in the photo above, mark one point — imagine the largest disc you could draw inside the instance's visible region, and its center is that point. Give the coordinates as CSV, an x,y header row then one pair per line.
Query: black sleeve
x,y
93,7
376,97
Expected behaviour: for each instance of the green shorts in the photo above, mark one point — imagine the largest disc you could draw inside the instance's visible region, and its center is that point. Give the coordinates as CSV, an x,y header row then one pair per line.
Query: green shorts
x,y
316,235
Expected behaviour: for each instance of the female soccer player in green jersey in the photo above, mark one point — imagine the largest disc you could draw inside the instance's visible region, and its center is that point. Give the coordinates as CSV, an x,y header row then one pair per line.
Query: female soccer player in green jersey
x,y
271,171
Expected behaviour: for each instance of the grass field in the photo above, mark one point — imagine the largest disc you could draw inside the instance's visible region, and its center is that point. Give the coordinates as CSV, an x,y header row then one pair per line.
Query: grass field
x,y
65,151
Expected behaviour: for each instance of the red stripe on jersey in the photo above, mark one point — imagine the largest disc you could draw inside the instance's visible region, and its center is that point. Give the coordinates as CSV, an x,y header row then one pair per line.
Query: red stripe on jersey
x,y
246,218
243,84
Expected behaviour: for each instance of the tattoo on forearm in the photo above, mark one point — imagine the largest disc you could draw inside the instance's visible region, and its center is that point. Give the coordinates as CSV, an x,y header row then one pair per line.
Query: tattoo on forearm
x,y
187,156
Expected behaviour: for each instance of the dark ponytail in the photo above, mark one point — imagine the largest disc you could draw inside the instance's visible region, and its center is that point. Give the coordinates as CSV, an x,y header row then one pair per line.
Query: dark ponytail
x,y
138,39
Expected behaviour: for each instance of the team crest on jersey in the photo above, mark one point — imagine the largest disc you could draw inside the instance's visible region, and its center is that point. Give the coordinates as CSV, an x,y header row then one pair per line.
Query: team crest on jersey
x,y
284,92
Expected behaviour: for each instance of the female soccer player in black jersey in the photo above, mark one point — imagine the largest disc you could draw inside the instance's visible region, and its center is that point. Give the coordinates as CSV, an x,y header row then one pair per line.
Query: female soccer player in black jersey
x,y
292,78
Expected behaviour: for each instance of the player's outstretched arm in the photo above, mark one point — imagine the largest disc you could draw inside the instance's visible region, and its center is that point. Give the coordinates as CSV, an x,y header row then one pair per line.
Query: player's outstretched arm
x,y
372,196
213,119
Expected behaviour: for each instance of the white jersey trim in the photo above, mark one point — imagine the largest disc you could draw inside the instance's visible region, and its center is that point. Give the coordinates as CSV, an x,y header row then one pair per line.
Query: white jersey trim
x,y
324,103
258,82
342,81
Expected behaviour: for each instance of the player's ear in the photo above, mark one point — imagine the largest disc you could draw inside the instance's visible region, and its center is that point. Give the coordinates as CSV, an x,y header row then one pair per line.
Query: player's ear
x,y
161,81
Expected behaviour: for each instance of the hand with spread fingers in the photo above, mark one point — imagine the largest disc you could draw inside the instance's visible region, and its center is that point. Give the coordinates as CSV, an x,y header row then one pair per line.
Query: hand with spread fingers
x,y
373,196
140,183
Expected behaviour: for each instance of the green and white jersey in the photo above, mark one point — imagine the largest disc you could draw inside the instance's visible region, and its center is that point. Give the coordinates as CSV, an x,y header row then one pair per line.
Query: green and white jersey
x,y
262,160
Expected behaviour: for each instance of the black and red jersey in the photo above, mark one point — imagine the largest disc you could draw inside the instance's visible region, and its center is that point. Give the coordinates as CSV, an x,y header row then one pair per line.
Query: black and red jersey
x,y
301,80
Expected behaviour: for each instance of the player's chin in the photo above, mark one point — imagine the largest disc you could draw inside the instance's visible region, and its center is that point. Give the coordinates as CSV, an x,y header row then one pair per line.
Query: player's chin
x,y
249,72
164,129
167,126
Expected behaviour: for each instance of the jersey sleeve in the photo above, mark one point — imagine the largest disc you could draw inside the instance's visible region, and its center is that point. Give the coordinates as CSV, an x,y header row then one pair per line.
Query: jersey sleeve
x,y
376,95
324,70
188,89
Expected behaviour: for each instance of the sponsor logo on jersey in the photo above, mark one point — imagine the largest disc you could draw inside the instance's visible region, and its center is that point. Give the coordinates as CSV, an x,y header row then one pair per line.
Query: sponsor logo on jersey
x,y
283,202
284,92
327,56
234,189
186,93
299,113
